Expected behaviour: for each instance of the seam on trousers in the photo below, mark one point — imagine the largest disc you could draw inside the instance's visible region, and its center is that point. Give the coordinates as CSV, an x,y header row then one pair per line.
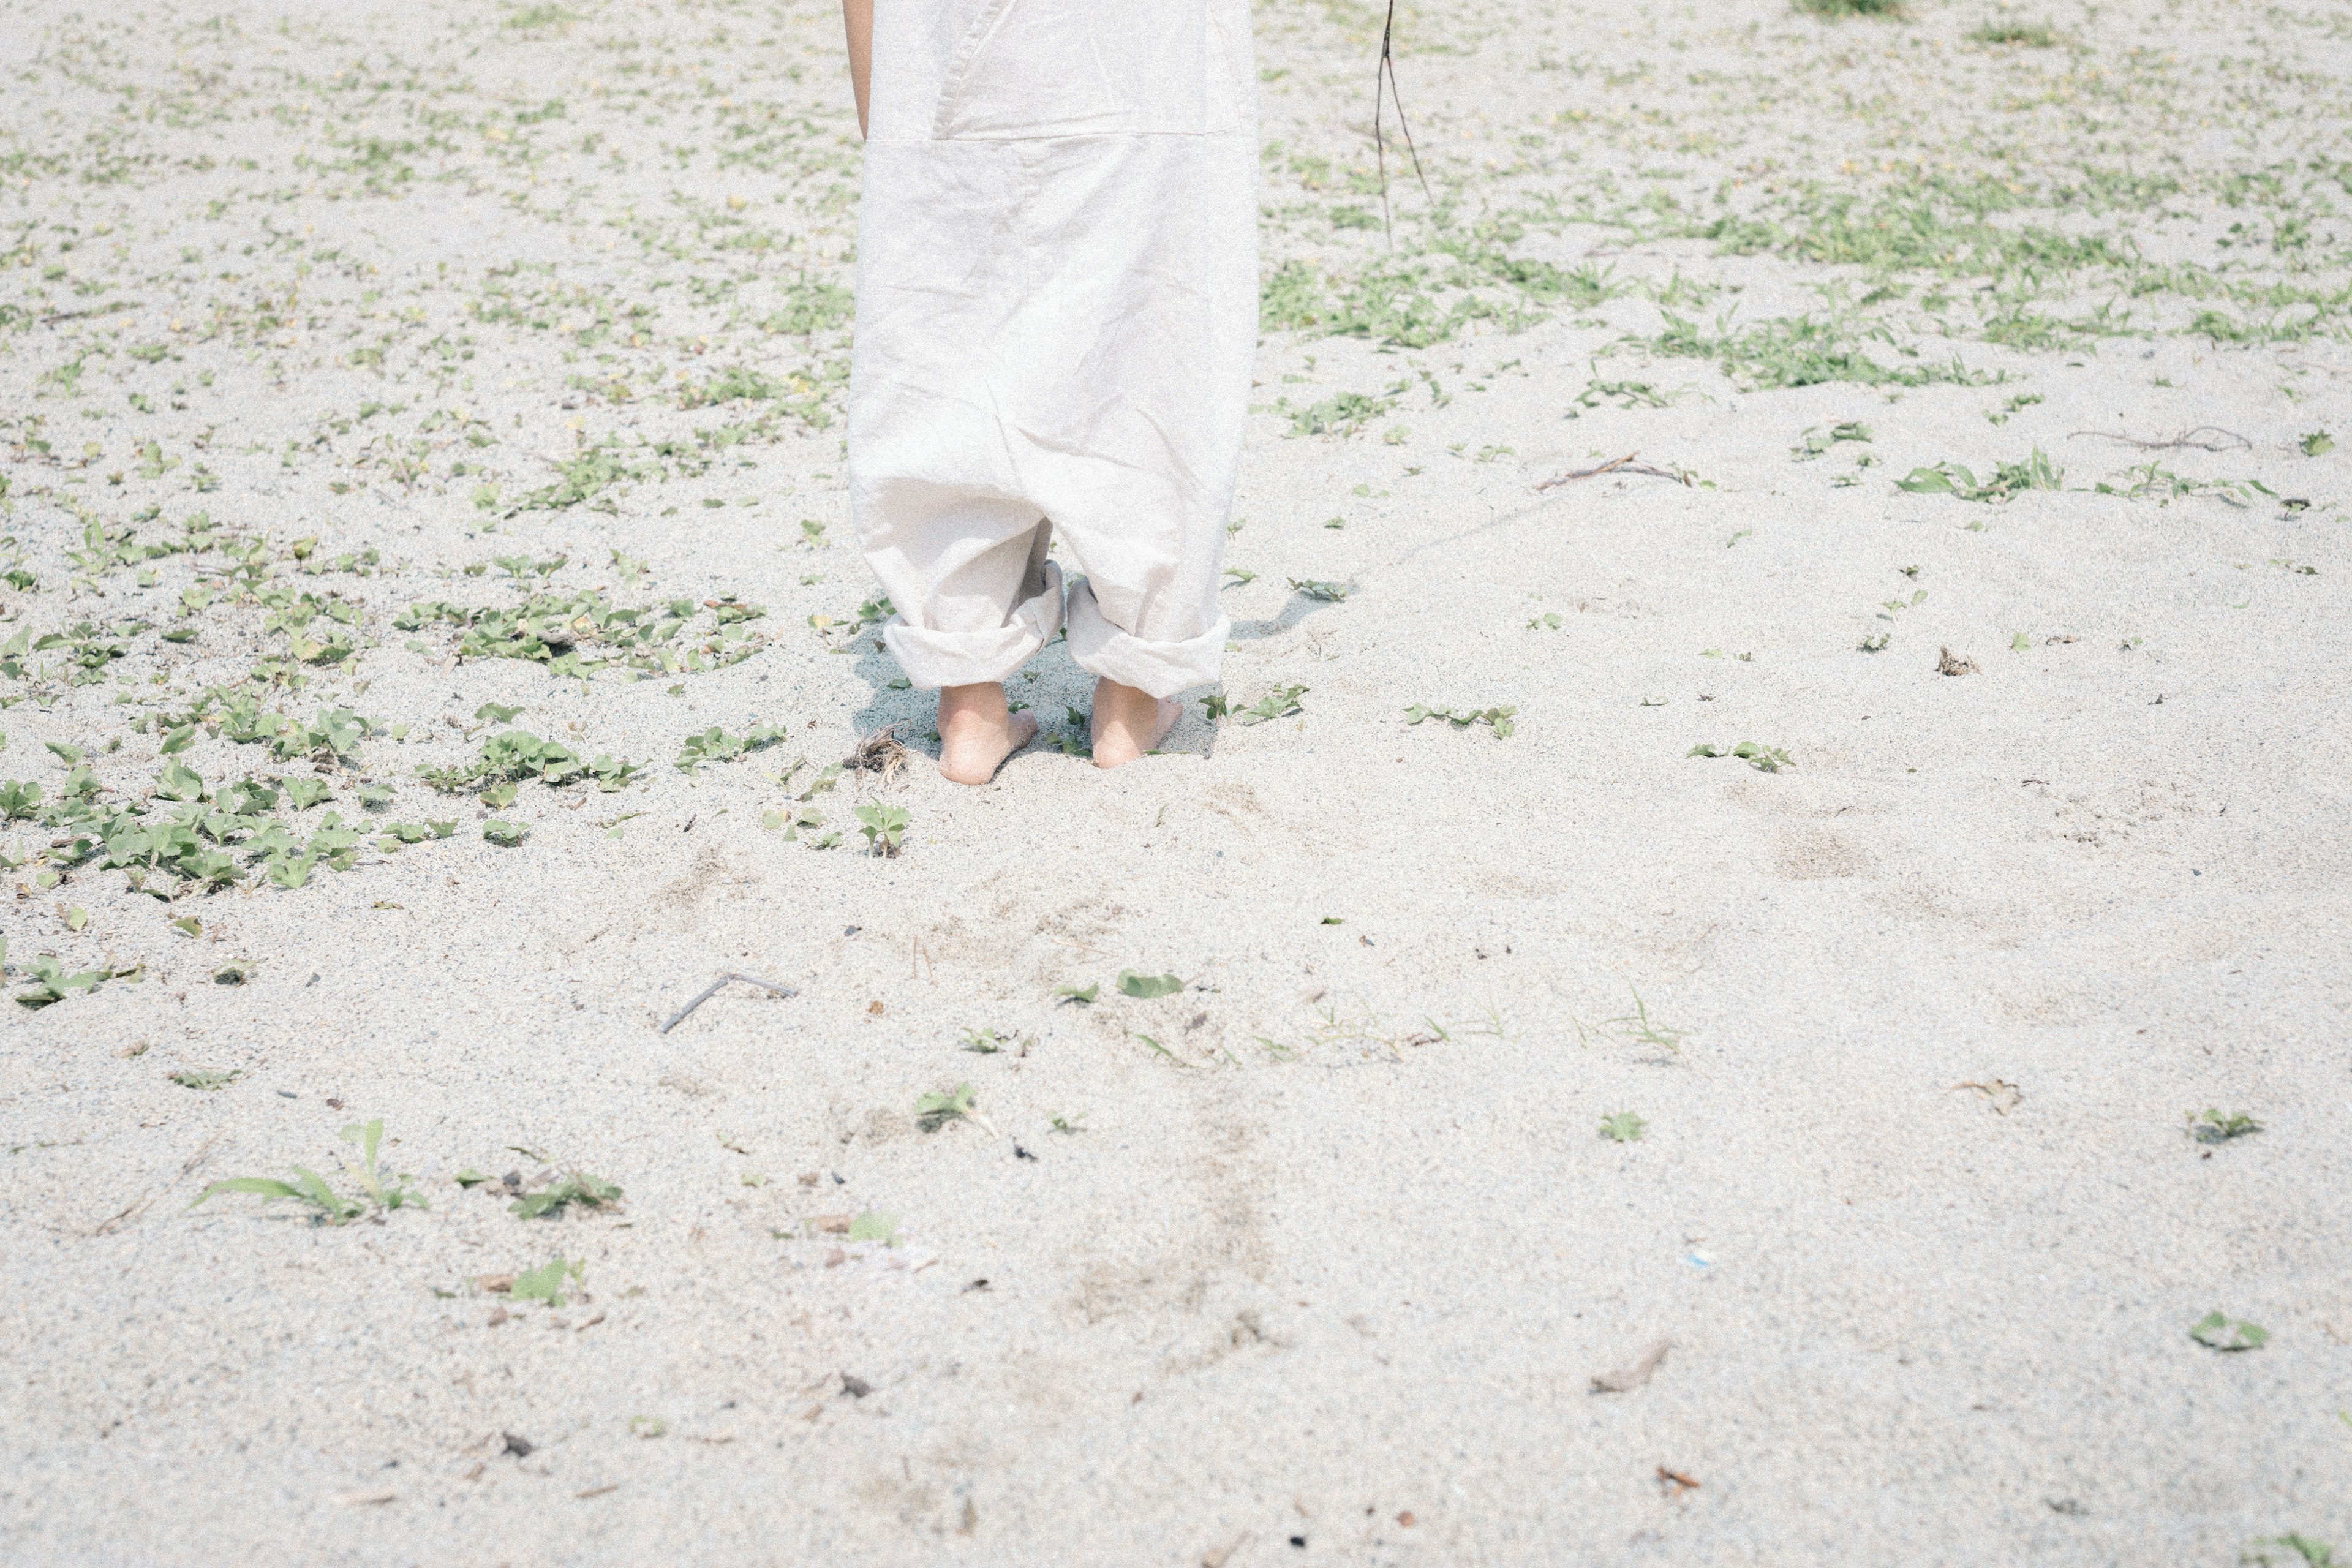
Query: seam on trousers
x,y
951,88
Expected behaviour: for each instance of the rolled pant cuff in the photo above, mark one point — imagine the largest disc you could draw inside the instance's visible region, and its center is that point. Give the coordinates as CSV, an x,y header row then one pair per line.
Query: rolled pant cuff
x,y
1161,669
935,658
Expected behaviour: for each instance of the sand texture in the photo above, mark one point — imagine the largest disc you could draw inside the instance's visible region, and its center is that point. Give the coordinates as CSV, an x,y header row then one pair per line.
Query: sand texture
x,y
379,381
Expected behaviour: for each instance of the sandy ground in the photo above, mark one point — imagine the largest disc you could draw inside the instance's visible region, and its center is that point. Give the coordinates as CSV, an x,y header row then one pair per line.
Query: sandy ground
x,y
1316,1259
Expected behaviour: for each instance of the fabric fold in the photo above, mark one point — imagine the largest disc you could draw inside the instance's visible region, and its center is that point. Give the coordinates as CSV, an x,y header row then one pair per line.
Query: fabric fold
x,y
1161,667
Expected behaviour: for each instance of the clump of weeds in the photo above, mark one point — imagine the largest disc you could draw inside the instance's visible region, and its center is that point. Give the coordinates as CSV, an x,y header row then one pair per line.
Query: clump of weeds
x,y
935,1110
1622,1127
550,1193
1762,758
1315,588
2007,480
377,1194
1145,987
715,745
1502,720
1279,703
2213,1127
548,1281
1634,1028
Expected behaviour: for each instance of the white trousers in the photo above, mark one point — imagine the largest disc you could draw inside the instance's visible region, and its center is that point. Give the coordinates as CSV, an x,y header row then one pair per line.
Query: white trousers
x,y
1056,313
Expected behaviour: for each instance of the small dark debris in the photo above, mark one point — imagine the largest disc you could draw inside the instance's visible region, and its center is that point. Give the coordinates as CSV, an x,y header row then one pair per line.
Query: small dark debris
x,y
334,1105
979,1284
854,1387
1300,1542
851,930
287,1094
521,1446
2067,1506
1021,1153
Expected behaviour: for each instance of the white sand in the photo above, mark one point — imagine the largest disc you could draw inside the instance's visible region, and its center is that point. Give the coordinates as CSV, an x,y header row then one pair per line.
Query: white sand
x,y
1358,1250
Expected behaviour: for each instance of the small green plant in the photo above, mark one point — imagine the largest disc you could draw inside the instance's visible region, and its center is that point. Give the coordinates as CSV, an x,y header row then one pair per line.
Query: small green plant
x,y
1502,720
1877,644
2318,444
883,826
1835,9
2314,1554
2212,1126
1816,441
328,1206
2007,480
1279,703
1763,759
2219,1331
198,1077
505,835
1637,1029
875,1224
933,1111
2153,478
1622,1127
546,1283
984,1042
715,745
51,984
1083,996
1329,593
573,1189
1069,1124
1147,987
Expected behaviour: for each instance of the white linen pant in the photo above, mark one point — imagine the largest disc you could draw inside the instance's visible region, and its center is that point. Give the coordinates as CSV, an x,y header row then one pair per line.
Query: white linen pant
x,y
1057,314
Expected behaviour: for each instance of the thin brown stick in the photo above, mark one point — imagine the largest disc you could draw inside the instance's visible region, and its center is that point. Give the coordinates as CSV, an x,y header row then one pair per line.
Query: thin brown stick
x,y
713,989
2186,438
1384,78
1624,464
94,310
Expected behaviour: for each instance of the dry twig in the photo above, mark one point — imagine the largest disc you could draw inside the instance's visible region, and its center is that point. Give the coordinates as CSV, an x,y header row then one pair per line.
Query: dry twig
x,y
712,990
881,752
1624,464
1385,77
2186,438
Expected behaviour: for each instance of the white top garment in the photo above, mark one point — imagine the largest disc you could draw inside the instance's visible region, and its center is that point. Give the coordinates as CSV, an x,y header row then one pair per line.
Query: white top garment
x,y
1057,315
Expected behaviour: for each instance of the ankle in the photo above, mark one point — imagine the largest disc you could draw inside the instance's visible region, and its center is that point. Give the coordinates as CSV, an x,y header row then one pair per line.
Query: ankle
x,y
982,702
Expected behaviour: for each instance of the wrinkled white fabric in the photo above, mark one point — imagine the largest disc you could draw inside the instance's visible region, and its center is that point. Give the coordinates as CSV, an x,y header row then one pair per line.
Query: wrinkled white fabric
x,y
1056,312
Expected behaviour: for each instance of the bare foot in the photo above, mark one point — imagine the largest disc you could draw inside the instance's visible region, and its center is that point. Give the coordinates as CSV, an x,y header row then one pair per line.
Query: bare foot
x,y
977,732
1128,722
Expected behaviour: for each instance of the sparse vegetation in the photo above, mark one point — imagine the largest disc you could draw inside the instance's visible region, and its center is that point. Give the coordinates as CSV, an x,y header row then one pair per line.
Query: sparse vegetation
x,y
1502,720
377,1194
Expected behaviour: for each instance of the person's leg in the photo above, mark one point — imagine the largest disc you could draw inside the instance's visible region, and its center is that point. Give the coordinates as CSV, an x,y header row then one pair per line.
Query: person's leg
x,y
1129,721
977,732
976,599
1155,283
